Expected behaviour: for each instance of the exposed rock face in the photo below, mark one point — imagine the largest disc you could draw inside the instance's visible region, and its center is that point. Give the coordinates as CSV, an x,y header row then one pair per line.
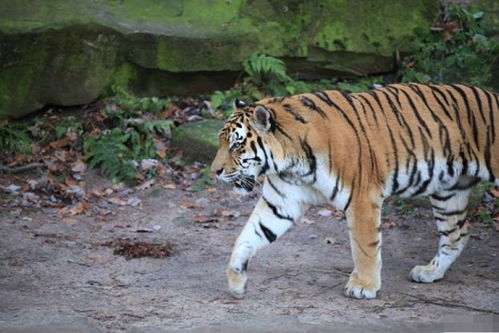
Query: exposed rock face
x,y
198,140
69,52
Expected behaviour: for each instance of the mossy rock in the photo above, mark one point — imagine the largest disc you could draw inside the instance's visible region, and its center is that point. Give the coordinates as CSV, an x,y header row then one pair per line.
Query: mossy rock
x,y
198,140
69,52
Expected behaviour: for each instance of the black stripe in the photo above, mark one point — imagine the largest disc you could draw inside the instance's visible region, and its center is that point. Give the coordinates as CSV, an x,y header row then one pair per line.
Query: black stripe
x,y
437,119
461,223
442,197
370,107
330,156
323,97
364,132
312,162
266,165
444,108
471,116
478,102
275,188
453,212
491,115
458,116
425,184
348,99
416,113
312,106
276,212
447,232
289,109
335,190
244,268
487,157
349,199
355,131
257,233
268,233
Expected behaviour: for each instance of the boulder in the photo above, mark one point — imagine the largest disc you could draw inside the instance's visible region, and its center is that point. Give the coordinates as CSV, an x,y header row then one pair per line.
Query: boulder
x,y
198,140
70,52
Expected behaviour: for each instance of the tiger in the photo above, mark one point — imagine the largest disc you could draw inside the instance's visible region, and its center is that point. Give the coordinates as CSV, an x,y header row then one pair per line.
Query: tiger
x,y
353,151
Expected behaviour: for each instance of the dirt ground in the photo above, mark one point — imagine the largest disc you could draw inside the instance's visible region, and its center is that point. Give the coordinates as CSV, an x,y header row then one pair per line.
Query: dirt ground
x,y
57,274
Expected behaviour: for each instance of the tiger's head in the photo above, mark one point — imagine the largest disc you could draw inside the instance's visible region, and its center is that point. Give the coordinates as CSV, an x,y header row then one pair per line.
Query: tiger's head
x,y
244,146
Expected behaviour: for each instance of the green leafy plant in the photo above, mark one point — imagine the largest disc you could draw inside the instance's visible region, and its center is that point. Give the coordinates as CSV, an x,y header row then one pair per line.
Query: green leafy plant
x,y
111,153
199,184
68,125
223,100
134,132
455,50
14,140
124,105
260,67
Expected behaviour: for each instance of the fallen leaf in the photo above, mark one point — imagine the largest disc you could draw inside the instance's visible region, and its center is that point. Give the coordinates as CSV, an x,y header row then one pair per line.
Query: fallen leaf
x,y
116,201
145,185
205,219
160,148
60,143
389,224
170,186
186,204
76,209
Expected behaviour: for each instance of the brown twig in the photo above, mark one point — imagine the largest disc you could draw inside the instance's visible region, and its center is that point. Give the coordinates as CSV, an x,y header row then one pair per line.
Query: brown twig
x,y
448,303
23,168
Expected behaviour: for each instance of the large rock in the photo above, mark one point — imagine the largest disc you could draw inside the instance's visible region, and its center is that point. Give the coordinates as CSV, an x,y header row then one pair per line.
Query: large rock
x,y
69,52
197,140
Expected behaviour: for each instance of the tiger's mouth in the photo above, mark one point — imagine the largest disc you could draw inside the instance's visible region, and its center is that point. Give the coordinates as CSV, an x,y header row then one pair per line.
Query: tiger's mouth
x,y
244,184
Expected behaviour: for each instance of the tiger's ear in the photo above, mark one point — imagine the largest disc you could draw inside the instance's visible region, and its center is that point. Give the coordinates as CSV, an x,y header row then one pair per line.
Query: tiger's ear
x,y
262,119
239,104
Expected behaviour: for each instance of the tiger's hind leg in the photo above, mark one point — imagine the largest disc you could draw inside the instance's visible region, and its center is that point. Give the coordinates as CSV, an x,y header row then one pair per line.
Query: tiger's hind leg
x,y
449,208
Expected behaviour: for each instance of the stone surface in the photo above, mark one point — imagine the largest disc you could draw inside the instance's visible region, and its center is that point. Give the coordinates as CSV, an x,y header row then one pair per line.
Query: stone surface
x,y
69,52
197,140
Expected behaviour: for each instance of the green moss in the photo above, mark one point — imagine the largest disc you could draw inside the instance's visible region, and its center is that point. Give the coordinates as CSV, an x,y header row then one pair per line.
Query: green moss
x,y
124,75
70,51
19,68
198,140
67,67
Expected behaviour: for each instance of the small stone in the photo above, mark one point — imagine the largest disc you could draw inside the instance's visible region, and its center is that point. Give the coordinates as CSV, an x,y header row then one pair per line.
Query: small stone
x,y
133,201
325,212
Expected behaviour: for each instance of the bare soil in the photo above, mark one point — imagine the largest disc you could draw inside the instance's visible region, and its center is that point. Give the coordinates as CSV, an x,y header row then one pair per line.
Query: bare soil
x,y
58,275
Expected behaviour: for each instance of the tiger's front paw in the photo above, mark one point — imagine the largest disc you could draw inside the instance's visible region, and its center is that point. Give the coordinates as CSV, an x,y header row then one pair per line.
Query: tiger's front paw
x,y
425,274
358,288
237,282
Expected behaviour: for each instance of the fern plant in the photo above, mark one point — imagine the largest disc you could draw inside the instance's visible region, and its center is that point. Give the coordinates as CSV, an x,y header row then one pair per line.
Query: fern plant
x,y
118,152
260,66
14,140
112,155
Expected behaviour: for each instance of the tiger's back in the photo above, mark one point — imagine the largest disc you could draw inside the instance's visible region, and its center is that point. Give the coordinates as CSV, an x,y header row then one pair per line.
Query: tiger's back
x,y
407,139
353,151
